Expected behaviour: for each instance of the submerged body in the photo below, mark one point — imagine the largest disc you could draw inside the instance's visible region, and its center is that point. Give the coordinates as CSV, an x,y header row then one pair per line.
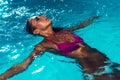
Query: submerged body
x,y
93,62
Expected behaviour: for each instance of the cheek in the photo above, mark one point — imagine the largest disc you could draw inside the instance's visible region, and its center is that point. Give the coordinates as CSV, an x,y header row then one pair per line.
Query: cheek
x,y
41,26
45,24
42,23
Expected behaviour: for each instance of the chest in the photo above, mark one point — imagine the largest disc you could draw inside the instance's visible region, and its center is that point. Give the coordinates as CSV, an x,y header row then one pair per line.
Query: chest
x,y
60,41
62,38
66,43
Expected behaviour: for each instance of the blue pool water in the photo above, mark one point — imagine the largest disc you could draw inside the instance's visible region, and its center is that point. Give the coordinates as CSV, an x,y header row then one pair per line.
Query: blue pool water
x,y
16,44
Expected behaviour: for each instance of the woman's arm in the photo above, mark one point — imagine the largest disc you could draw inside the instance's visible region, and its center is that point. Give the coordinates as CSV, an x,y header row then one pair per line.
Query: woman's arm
x,y
83,24
22,66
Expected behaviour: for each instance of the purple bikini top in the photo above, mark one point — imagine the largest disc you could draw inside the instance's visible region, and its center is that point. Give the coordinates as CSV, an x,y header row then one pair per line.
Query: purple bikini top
x,y
68,47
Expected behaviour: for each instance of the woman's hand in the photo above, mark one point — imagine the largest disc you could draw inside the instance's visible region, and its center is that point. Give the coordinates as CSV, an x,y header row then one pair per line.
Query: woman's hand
x,y
22,66
83,24
94,17
88,22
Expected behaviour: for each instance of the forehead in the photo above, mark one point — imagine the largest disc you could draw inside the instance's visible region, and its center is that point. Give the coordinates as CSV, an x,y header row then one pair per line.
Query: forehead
x,y
31,20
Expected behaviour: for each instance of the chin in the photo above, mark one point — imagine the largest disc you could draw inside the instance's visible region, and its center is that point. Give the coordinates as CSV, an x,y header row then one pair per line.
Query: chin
x,y
50,22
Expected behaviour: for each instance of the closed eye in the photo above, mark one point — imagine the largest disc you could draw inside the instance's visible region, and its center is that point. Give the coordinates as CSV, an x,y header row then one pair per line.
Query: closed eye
x,y
37,18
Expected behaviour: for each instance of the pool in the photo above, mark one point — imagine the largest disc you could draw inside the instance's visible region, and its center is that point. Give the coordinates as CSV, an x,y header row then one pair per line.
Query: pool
x,y
16,44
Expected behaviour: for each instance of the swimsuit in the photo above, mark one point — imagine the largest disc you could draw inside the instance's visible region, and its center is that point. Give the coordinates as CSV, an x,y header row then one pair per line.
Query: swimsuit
x,y
68,47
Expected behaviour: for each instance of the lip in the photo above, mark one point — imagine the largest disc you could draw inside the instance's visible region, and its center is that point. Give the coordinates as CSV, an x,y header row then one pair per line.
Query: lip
x,y
47,19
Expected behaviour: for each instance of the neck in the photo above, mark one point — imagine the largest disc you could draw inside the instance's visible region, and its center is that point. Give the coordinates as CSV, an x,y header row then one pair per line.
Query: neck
x,y
48,32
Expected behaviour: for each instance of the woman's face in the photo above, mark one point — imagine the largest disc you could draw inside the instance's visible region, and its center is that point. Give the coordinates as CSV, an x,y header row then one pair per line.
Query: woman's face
x,y
40,22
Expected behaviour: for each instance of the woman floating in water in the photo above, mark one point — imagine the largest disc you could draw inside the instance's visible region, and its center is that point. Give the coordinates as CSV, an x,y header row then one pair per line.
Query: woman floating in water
x,y
93,62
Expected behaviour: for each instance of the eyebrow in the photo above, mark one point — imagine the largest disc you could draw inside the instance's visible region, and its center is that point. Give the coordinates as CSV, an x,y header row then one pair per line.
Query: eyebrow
x,y
33,17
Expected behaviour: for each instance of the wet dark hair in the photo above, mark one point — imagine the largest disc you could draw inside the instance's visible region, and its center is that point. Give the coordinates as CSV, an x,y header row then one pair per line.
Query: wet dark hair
x,y
29,27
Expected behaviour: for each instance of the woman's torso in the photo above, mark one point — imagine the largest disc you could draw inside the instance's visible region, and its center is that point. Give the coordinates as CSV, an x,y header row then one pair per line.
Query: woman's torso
x,y
67,44
74,47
